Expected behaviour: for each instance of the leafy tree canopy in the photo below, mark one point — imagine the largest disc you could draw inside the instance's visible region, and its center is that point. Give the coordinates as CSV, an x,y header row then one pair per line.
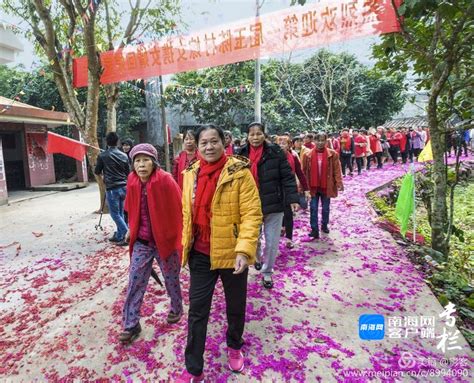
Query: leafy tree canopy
x,y
326,91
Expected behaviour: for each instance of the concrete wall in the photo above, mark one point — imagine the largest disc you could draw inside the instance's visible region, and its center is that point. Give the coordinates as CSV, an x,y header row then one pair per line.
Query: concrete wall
x,y
3,179
40,163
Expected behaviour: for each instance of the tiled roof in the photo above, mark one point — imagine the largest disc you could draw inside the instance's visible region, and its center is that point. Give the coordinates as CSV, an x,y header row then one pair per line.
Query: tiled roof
x,y
411,122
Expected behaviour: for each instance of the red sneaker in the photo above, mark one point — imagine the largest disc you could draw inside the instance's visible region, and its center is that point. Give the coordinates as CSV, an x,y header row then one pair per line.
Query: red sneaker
x,y
236,359
187,377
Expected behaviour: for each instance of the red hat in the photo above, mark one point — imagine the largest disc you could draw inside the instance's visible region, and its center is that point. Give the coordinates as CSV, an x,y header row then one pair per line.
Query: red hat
x,y
146,149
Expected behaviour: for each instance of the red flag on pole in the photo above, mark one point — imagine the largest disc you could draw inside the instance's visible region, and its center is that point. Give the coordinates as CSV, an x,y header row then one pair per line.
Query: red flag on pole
x,y
66,146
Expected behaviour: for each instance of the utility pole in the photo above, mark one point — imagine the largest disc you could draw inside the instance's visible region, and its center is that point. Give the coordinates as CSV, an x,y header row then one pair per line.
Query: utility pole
x,y
258,87
156,133
164,126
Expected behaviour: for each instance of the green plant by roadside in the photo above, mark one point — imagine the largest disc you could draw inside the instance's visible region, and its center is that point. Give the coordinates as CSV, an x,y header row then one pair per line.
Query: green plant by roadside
x,y
452,278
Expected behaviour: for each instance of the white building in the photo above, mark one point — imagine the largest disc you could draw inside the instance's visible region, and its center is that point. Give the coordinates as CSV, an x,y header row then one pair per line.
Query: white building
x,y
10,44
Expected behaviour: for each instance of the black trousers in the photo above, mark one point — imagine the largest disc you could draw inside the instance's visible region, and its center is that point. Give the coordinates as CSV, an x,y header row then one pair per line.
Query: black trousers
x,y
203,282
346,161
394,152
360,163
369,160
404,156
288,222
379,155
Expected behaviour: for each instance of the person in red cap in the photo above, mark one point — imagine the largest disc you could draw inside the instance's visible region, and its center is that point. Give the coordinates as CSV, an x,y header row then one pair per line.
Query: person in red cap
x,y
153,203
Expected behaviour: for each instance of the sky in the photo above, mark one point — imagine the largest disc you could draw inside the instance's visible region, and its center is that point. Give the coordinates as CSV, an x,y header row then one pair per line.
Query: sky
x,y
200,14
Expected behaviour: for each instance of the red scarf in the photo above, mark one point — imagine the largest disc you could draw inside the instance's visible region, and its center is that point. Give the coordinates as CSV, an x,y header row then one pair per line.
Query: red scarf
x,y
183,163
229,150
346,141
255,155
206,187
164,206
291,160
318,181
309,145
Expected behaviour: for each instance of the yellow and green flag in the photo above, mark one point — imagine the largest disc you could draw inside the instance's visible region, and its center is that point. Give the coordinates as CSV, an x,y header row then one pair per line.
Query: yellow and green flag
x,y
426,154
405,202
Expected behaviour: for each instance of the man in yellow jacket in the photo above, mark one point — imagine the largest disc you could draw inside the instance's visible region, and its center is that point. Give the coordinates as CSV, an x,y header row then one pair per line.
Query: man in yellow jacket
x,y
221,223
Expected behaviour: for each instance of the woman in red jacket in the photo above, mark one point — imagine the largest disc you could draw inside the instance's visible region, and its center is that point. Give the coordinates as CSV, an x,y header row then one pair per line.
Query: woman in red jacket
x,y
185,158
394,139
295,165
360,143
375,148
153,203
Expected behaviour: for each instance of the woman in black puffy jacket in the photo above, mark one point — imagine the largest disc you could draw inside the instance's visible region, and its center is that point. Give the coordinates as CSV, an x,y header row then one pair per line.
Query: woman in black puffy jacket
x,y
277,187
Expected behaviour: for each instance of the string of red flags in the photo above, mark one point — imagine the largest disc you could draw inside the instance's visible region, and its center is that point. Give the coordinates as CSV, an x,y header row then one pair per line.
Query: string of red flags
x,y
193,90
186,90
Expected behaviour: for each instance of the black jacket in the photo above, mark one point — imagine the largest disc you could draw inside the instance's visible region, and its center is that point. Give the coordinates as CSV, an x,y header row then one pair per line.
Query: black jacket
x,y
277,183
114,164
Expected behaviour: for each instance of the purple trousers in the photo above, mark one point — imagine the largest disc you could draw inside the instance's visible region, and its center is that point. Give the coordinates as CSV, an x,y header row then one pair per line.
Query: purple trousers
x,y
140,270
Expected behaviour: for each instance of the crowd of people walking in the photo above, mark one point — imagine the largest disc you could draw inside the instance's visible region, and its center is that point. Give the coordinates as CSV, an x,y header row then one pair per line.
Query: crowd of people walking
x,y
224,208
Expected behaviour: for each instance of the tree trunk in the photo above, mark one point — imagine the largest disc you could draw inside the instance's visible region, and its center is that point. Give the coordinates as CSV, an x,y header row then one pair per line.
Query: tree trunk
x,y
111,116
439,216
111,93
93,87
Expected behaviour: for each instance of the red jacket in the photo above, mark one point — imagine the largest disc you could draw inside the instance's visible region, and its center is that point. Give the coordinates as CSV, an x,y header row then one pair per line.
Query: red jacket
x,y
375,145
181,163
302,184
164,207
360,149
394,139
403,142
334,172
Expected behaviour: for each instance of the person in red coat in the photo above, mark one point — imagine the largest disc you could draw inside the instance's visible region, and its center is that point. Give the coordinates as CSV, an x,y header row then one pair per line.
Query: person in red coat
x,y
394,139
360,143
346,144
186,158
375,148
404,145
323,173
228,144
153,203
336,145
295,165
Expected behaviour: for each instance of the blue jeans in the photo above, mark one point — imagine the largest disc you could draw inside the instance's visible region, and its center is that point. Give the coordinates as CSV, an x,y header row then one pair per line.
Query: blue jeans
x,y
115,200
325,201
302,201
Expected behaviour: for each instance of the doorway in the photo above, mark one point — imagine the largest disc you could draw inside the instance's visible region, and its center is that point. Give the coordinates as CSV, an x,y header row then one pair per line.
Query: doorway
x,y
13,157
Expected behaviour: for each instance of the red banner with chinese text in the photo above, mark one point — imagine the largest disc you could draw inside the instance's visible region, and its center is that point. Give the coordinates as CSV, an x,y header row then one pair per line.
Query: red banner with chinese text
x,y
280,32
